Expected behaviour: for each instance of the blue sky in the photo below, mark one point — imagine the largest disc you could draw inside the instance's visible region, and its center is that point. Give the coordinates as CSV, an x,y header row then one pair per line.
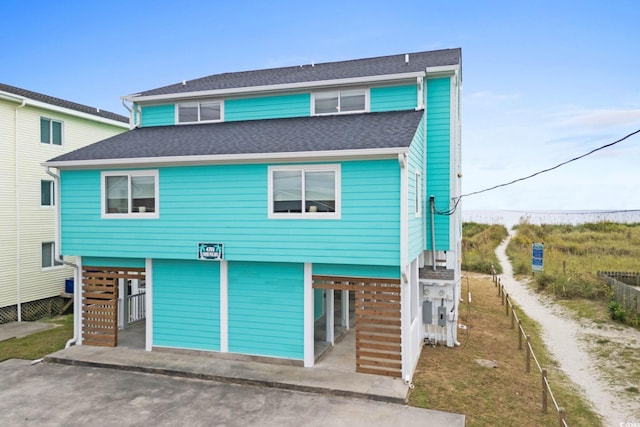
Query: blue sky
x,y
543,81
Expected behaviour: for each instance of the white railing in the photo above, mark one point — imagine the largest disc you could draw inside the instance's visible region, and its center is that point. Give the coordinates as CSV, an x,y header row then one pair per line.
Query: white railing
x,y
137,310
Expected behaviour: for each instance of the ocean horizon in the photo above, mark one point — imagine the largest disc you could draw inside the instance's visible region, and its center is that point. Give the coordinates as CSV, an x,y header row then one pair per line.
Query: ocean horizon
x,y
509,218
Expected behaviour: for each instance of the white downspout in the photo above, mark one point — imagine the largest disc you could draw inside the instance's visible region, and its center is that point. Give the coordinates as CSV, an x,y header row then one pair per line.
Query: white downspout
x,y
17,193
132,117
58,257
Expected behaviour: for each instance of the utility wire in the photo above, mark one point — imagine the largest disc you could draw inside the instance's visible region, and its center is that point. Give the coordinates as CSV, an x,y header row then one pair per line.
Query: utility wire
x,y
549,169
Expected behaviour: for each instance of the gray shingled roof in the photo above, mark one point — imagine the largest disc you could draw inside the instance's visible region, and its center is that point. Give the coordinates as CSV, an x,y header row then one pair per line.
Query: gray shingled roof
x,y
379,66
302,134
62,103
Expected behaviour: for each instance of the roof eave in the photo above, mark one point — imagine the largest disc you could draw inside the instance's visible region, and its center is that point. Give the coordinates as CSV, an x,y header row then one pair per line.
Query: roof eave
x,y
442,70
276,87
63,110
300,156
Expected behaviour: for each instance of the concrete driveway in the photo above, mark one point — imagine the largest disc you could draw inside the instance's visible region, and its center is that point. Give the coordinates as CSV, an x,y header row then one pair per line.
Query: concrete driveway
x,y
52,394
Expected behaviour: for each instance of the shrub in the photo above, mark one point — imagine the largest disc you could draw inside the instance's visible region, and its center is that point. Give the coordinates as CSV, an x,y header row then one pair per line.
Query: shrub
x,y
543,280
616,311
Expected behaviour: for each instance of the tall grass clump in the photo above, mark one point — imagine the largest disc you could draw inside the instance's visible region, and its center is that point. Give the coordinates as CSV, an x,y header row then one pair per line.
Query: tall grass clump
x,y
573,255
479,242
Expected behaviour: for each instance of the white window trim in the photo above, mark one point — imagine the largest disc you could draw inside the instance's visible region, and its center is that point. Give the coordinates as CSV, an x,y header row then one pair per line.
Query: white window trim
x,y
418,195
306,215
367,106
177,112
50,143
130,215
53,265
52,192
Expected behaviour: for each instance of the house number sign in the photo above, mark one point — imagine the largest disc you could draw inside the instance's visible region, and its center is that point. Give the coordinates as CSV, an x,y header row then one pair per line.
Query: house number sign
x,y
211,251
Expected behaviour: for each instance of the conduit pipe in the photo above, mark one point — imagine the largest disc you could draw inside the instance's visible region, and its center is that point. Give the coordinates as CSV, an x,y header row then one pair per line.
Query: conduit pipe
x,y
432,204
77,277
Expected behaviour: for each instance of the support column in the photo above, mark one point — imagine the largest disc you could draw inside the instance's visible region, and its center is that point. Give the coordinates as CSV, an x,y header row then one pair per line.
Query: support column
x,y
345,309
224,306
309,350
148,277
330,315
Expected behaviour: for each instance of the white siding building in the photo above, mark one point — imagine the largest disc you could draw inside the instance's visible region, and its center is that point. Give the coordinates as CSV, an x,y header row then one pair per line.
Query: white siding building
x,y
35,128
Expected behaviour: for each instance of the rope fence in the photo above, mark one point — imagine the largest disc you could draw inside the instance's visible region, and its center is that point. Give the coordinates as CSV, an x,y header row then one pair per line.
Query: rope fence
x,y
546,388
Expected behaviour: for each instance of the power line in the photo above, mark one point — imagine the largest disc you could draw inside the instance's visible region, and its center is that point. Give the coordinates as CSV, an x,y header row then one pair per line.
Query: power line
x,y
551,168
457,202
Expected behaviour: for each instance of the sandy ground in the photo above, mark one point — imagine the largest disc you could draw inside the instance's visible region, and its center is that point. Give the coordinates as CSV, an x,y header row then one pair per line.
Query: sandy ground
x,y
572,344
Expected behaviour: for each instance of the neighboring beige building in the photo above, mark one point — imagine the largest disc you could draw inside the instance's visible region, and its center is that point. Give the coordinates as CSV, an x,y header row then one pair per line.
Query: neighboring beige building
x,y
35,128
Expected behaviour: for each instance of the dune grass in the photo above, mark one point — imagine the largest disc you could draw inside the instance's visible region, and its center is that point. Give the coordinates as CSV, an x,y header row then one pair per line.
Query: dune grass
x,y
573,255
479,242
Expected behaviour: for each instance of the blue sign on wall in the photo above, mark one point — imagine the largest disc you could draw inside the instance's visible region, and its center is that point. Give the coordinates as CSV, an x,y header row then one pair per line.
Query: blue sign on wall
x,y
211,251
537,257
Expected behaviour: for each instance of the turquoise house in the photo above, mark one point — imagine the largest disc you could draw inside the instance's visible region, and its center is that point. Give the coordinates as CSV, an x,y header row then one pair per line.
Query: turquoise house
x,y
242,210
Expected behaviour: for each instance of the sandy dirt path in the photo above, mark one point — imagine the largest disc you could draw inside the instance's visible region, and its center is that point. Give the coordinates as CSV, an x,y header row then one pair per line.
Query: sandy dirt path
x,y
568,341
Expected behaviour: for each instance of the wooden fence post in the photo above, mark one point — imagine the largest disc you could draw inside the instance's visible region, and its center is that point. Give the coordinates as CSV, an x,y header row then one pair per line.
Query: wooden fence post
x,y
502,299
528,353
513,318
506,308
561,414
519,334
544,391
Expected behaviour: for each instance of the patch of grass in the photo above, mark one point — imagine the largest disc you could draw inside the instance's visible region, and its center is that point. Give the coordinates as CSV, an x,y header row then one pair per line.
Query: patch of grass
x,y
449,379
38,345
586,309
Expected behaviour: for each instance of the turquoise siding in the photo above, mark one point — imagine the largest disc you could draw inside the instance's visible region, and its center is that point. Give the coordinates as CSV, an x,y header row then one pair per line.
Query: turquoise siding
x,y
357,270
416,230
113,262
228,204
394,98
266,309
267,107
438,157
388,98
186,304
158,115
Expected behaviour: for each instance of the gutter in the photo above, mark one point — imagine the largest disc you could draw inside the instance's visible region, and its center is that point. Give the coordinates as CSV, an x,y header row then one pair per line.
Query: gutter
x,y
58,257
355,154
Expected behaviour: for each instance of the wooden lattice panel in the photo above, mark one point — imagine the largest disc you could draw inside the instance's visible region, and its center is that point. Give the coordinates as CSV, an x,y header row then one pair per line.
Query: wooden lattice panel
x,y
378,322
100,303
99,308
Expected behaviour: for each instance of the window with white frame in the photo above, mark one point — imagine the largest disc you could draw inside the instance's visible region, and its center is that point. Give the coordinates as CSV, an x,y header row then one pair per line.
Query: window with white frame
x,y
46,193
305,191
418,196
130,194
195,112
340,101
50,131
48,255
